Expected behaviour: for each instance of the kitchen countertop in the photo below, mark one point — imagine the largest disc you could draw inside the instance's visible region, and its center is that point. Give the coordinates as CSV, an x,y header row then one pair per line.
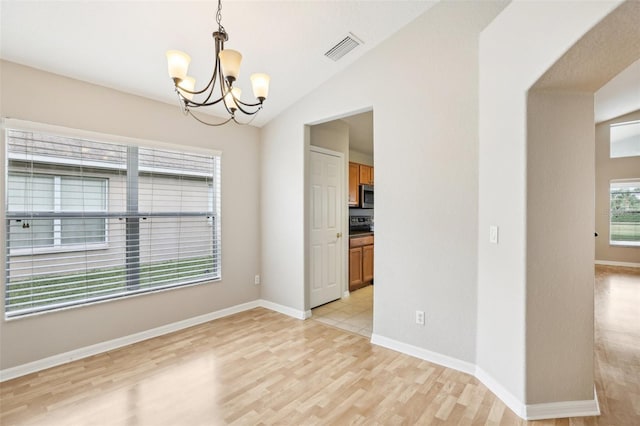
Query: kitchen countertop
x,y
360,234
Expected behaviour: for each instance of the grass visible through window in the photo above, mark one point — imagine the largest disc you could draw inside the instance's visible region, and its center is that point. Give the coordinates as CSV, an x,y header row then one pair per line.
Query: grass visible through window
x,y
625,231
93,284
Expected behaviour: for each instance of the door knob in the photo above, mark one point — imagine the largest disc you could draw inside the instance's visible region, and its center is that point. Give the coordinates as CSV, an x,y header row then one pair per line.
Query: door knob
x,y
339,234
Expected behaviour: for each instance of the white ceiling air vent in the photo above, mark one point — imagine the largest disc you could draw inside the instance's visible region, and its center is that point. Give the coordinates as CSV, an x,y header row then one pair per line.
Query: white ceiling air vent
x,y
343,47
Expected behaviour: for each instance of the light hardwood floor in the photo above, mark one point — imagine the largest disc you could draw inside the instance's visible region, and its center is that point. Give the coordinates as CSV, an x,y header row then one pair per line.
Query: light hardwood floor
x,y
617,345
261,367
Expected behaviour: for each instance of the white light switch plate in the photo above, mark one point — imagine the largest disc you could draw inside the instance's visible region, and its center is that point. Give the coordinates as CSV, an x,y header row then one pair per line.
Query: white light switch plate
x,y
493,234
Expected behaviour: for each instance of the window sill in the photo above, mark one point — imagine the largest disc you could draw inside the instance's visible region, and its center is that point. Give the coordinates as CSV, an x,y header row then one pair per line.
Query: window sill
x,y
59,249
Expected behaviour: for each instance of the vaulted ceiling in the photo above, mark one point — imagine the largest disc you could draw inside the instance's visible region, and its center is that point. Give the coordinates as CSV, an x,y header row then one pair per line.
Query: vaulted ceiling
x,y
122,44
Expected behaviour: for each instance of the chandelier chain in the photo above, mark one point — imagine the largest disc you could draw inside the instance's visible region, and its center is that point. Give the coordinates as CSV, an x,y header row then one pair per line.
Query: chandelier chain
x,y
219,17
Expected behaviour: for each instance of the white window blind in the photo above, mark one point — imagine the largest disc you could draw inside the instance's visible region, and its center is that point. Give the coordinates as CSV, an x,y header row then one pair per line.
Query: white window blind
x,y
88,221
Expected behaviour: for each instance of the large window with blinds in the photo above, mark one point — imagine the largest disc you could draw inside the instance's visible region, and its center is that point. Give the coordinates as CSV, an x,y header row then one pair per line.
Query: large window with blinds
x,y
89,221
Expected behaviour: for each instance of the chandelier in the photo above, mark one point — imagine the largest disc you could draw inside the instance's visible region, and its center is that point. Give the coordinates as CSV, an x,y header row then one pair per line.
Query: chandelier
x,y
225,73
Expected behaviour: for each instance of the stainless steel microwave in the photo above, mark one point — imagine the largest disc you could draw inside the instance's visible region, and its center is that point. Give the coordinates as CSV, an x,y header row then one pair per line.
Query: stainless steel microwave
x,y
366,196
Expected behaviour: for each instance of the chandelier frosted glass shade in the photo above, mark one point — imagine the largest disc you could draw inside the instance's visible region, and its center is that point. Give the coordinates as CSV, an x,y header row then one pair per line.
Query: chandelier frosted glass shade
x,y
260,85
230,61
178,64
226,71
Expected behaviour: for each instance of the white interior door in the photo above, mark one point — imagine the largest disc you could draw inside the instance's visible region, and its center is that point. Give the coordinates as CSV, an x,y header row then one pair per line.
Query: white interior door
x,y
326,223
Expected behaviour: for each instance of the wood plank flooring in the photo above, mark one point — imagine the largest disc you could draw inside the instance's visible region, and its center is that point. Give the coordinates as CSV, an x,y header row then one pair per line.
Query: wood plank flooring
x,y
261,367
617,345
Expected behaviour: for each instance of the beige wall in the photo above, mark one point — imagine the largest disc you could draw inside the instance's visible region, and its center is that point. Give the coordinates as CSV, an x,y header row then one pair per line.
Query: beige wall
x,y
608,169
559,309
426,179
332,135
359,157
34,95
519,46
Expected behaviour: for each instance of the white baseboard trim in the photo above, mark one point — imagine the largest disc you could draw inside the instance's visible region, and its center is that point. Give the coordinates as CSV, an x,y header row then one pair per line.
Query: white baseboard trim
x,y
551,410
295,313
558,410
87,351
614,263
501,392
421,353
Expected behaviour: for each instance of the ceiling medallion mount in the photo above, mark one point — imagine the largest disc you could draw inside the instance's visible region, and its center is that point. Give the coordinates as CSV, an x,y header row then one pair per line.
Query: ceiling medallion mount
x,y
225,73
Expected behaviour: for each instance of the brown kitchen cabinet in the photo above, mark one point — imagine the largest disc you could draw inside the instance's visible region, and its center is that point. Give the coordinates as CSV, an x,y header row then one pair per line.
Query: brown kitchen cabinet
x,y
360,261
359,174
365,174
367,263
354,182
355,268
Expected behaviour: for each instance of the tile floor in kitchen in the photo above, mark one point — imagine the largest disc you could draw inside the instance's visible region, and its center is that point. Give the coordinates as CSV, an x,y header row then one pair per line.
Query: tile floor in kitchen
x,y
353,313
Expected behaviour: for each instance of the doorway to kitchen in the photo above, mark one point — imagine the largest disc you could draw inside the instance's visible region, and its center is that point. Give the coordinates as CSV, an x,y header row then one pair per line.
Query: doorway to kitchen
x,y
353,136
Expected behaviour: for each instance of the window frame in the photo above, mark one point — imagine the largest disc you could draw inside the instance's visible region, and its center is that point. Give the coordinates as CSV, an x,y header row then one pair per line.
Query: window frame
x,y
622,124
620,243
214,222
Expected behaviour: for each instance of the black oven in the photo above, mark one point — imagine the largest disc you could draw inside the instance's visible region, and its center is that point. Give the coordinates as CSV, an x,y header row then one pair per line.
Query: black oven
x,y
366,196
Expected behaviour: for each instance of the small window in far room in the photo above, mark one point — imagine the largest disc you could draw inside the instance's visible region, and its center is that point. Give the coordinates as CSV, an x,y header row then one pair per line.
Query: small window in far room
x,y
624,228
625,139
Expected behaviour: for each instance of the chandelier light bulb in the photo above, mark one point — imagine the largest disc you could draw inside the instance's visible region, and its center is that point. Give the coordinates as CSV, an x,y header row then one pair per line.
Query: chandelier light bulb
x,y
260,84
178,63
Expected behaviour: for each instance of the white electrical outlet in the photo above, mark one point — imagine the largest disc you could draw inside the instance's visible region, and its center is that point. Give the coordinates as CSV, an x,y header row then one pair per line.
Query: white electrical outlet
x,y
256,280
493,234
420,317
